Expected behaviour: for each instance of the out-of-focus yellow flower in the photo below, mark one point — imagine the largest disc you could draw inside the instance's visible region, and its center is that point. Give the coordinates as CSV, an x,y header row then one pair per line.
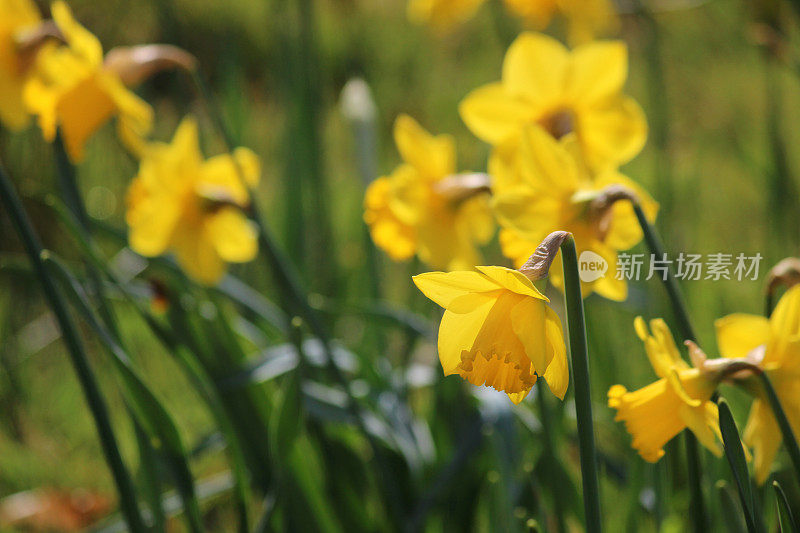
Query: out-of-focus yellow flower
x,y
540,187
182,203
442,15
574,94
775,344
423,207
70,89
585,18
656,413
16,17
497,330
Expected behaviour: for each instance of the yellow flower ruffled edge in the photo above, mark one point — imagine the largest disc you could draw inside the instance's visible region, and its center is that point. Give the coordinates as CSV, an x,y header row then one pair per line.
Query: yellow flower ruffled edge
x,y
193,207
407,215
16,17
497,330
570,93
739,335
680,399
68,89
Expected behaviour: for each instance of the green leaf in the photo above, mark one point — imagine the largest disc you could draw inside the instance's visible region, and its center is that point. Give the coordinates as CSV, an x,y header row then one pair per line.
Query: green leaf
x,y
151,414
731,511
786,521
736,459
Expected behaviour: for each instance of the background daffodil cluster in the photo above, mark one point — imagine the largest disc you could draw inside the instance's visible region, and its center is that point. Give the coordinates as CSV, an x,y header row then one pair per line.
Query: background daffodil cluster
x,y
338,327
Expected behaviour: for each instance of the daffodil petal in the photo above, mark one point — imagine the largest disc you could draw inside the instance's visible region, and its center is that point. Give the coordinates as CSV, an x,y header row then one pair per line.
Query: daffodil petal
x,y
613,133
557,373
234,236
435,157
528,321
457,332
739,333
597,70
513,280
535,67
444,287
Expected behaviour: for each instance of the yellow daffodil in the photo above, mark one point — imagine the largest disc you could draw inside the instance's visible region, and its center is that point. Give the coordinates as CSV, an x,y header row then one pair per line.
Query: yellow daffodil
x,y
574,94
585,18
442,15
656,413
497,330
540,187
70,89
182,203
16,18
774,344
423,207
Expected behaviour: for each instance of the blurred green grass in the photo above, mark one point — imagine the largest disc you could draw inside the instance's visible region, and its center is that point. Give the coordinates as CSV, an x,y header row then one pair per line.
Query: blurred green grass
x,y
718,150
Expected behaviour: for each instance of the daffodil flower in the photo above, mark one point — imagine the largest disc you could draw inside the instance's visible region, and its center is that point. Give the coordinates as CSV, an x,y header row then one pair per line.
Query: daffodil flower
x,y
680,399
773,344
574,94
497,330
182,203
424,208
16,18
442,15
70,89
539,186
585,18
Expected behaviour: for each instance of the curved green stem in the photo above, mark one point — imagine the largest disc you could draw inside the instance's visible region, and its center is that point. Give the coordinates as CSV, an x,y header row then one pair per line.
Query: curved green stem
x,y
583,400
69,332
697,506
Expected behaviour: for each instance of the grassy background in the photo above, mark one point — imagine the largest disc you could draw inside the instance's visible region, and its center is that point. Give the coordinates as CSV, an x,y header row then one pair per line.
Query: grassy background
x,y
715,178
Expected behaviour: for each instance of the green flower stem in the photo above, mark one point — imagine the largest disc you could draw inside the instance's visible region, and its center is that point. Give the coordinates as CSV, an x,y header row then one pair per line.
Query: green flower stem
x,y
583,400
693,464
789,439
91,389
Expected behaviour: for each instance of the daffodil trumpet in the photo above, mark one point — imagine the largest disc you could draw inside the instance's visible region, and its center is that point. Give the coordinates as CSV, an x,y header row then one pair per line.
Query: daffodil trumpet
x,y
579,353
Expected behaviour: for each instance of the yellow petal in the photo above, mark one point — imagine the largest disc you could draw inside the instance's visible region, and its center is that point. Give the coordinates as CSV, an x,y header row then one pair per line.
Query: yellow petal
x,y
557,373
527,213
225,173
389,233
701,421
546,164
513,280
535,68
457,332
528,322
235,238
517,247
444,287
612,133
784,327
81,41
81,112
434,157
764,436
739,333
597,70
493,115
197,254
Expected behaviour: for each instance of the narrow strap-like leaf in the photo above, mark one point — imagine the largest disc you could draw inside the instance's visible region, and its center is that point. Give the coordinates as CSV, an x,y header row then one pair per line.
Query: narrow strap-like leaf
x,y
736,459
